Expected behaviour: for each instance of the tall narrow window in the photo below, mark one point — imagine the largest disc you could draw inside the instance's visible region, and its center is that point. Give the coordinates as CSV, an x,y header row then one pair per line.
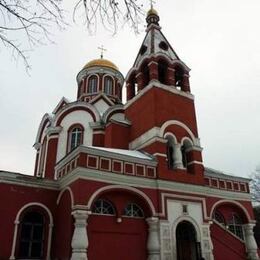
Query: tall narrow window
x,y
75,137
170,151
170,155
31,236
184,156
92,84
179,78
108,85
235,226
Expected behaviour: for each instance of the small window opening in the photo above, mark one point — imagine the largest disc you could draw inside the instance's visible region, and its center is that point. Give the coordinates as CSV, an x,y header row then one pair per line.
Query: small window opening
x,y
170,151
103,207
108,88
163,45
184,156
143,49
133,210
92,84
75,138
162,72
179,78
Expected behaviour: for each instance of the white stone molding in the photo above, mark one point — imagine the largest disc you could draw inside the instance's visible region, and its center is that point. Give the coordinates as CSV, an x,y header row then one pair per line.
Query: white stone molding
x,y
17,222
122,187
251,246
195,140
79,241
230,202
157,84
153,241
177,198
71,196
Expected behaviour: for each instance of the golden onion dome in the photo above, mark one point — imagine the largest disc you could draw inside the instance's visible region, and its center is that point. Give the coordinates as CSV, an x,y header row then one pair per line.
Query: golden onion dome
x,y
101,63
152,11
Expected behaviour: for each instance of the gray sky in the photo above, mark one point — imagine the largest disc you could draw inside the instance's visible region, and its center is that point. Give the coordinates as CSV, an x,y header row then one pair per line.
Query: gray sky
x,y
218,39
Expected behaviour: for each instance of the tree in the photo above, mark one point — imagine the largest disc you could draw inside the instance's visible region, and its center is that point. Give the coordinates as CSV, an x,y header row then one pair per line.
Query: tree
x,y
255,185
27,23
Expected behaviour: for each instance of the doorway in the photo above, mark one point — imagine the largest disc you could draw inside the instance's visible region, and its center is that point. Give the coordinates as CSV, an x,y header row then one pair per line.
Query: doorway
x,y
186,239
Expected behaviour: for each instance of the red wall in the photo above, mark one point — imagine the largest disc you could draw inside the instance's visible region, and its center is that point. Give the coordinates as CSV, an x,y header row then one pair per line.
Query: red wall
x,y
13,198
117,241
63,228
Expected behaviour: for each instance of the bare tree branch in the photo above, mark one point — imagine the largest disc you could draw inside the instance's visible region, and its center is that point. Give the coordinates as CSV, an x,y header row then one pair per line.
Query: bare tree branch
x,y
110,13
25,24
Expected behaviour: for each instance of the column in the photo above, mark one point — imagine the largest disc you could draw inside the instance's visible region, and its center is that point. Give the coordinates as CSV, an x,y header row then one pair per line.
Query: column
x,y
251,246
170,76
140,81
153,243
129,91
185,83
79,241
153,70
177,156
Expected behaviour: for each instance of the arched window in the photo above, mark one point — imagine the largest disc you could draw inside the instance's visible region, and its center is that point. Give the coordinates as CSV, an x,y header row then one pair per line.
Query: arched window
x,y
179,77
184,150
162,71
31,236
235,225
92,84
108,85
170,150
75,137
219,217
103,207
133,210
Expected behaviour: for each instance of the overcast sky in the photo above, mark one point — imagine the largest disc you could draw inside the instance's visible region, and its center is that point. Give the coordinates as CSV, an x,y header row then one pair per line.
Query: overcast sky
x,y
218,39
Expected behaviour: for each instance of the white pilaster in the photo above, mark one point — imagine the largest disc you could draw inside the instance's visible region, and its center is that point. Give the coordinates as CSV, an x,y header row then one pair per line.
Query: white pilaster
x,y
177,156
251,246
153,243
79,242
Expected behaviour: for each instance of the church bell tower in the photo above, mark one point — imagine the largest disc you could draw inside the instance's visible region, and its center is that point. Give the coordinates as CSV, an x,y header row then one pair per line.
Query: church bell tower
x,y
161,108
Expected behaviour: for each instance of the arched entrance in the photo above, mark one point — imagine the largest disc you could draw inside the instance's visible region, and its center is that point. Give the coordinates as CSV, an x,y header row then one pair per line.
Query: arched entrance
x,y
186,239
117,227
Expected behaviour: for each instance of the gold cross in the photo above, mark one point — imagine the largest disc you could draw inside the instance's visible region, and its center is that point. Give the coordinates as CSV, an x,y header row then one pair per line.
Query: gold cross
x,y
102,49
151,3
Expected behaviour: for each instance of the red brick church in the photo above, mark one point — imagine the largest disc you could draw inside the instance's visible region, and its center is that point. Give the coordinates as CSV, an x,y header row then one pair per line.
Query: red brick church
x,y
126,181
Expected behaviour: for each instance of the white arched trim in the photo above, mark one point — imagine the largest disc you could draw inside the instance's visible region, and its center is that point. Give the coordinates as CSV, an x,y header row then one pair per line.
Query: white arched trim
x,y
170,135
71,196
188,219
78,105
112,109
122,187
230,202
186,139
17,221
46,118
178,123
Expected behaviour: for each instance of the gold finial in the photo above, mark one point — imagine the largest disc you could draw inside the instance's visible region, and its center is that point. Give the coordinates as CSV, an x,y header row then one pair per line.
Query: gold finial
x,y
102,49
